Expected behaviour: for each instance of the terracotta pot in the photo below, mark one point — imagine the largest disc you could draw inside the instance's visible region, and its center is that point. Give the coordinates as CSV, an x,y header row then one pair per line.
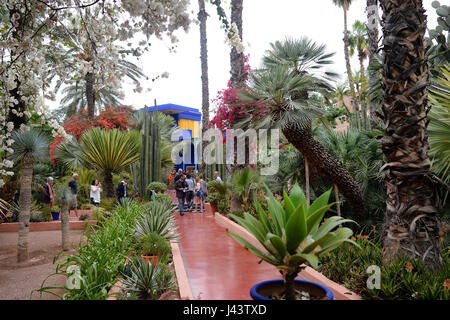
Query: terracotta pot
x,y
150,258
262,290
214,207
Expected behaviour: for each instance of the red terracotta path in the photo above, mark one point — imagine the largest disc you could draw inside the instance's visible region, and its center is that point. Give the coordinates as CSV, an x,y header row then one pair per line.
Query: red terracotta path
x,y
218,268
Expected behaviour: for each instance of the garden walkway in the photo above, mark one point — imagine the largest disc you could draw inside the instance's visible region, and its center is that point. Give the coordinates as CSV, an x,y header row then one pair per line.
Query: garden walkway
x,y
218,267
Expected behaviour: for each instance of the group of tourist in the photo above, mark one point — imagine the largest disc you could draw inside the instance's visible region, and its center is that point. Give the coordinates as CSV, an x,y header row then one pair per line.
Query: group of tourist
x,y
189,187
190,190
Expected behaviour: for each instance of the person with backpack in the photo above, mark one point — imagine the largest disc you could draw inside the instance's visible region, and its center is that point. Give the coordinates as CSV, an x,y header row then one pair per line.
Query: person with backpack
x,y
122,189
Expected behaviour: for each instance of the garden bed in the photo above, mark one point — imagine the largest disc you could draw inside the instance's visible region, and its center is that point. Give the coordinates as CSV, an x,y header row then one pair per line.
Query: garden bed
x,y
339,291
177,267
44,226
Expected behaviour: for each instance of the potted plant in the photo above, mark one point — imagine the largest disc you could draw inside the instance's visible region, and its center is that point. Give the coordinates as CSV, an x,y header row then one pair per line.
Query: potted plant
x,y
153,247
293,235
55,212
218,196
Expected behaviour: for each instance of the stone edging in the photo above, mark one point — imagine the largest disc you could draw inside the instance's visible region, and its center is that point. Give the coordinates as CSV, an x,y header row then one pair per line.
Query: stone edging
x,y
339,291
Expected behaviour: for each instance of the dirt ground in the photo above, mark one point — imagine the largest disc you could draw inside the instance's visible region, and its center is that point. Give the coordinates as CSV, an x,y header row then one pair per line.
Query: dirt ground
x,y
17,281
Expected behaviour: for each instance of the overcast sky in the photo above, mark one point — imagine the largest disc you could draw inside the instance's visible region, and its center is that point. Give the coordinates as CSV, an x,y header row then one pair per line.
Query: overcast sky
x,y
264,21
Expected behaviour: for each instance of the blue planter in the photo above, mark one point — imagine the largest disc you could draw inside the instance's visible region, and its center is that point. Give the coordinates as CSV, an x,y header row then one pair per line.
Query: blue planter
x,y
257,289
55,215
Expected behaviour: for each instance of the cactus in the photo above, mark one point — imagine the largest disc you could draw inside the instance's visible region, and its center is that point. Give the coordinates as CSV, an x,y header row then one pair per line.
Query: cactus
x,y
150,165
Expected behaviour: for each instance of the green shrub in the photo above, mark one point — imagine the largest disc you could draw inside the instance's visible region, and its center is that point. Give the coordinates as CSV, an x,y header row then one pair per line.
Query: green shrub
x,y
403,279
55,208
101,259
153,244
156,186
46,214
37,217
156,217
109,204
163,197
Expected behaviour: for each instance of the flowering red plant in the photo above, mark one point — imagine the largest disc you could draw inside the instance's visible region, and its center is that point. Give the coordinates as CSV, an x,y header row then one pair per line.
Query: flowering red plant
x,y
231,108
110,118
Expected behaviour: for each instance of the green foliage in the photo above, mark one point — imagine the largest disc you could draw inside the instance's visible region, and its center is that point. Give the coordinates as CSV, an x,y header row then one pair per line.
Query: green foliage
x,y
101,259
163,197
46,215
401,279
37,217
291,233
245,184
146,280
153,244
55,208
439,127
333,113
156,217
108,204
157,187
99,215
31,145
219,194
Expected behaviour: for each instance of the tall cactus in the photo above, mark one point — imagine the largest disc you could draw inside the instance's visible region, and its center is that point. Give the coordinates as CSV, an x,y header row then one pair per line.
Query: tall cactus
x,y
150,165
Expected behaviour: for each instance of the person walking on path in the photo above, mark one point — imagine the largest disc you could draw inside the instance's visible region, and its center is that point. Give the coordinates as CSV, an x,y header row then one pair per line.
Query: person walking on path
x,y
96,188
204,189
180,188
216,175
190,192
49,197
122,189
73,186
171,178
199,204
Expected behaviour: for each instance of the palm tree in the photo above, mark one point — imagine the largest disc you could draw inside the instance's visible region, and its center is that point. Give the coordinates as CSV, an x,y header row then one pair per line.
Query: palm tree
x,y
105,151
202,16
285,89
236,58
358,41
439,127
372,35
244,184
345,5
412,222
29,147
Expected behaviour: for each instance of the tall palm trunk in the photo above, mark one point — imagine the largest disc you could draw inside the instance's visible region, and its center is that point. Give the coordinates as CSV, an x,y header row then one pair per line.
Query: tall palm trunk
x,y
372,32
308,198
202,16
327,166
346,52
109,187
24,209
90,95
237,59
65,229
412,222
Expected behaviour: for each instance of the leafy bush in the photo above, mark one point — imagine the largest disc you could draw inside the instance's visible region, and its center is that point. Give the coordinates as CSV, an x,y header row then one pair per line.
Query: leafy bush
x,y
163,197
46,214
37,217
101,259
109,204
83,217
55,208
402,279
157,187
147,280
219,194
153,244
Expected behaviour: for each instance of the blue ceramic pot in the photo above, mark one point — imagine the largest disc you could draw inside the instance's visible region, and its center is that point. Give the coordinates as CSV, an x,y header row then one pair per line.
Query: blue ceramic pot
x,y
55,215
257,289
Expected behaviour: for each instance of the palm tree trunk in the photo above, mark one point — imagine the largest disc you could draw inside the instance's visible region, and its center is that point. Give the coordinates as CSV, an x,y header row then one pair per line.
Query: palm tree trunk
x,y
346,52
372,32
65,228
109,187
202,16
90,95
338,203
308,199
237,59
412,222
326,165
24,209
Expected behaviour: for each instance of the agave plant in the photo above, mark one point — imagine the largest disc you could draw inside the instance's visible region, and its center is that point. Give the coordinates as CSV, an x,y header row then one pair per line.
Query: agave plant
x,y
293,234
157,217
146,280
